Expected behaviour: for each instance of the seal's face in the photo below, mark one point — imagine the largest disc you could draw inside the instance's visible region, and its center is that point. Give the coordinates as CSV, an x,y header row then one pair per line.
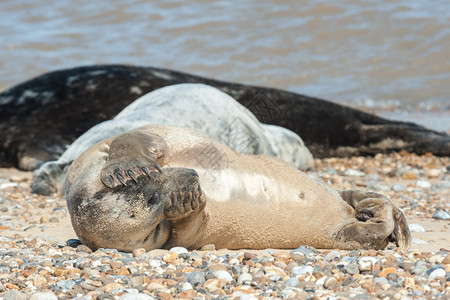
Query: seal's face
x,y
125,218
128,217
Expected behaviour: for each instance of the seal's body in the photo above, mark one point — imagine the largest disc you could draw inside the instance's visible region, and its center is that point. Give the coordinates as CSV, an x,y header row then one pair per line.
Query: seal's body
x,y
159,186
197,106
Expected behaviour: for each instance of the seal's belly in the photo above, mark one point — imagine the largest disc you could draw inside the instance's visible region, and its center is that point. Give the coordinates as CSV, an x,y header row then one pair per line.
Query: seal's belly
x,y
252,210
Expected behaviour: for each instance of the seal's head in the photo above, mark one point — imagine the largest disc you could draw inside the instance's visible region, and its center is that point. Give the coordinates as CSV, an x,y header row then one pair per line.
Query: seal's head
x,y
127,217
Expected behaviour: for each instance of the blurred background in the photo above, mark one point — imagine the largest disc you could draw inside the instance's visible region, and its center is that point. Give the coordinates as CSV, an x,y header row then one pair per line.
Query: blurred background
x,y
390,57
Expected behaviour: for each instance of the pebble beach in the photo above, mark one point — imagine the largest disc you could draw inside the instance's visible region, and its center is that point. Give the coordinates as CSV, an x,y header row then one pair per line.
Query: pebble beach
x,y
40,257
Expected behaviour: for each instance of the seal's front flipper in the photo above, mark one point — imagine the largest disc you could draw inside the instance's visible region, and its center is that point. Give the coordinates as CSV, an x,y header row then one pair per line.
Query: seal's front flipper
x,y
131,155
185,196
377,222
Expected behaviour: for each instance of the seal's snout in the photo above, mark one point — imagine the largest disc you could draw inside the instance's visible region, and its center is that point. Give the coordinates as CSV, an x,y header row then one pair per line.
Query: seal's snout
x,y
153,199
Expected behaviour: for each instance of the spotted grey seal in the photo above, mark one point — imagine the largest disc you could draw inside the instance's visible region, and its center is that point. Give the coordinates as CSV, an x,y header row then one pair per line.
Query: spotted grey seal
x,y
205,109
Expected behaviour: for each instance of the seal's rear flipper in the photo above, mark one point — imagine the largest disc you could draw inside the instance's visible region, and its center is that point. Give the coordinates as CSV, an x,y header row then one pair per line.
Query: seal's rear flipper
x,y
401,234
377,222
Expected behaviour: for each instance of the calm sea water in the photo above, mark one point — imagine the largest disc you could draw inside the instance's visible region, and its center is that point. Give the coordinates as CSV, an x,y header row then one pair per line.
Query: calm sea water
x,y
380,55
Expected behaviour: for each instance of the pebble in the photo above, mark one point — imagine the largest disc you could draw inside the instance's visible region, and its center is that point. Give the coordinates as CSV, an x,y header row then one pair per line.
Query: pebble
x,y
333,255
179,250
437,274
398,187
423,184
416,228
419,241
245,278
195,278
222,274
353,172
293,282
43,296
302,270
442,215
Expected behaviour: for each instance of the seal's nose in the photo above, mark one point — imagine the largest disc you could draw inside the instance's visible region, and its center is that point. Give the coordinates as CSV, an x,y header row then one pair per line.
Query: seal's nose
x,y
153,199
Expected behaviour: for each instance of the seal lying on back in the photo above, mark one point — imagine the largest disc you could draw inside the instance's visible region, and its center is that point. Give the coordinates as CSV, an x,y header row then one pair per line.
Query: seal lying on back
x,y
159,187
197,106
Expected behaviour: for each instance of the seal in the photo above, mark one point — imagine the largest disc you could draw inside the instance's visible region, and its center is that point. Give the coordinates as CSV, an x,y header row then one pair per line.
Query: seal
x,y
39,118
158,187
214,114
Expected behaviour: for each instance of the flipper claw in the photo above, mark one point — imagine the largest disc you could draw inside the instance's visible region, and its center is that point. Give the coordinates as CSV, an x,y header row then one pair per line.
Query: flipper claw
x,y
120,178
131,174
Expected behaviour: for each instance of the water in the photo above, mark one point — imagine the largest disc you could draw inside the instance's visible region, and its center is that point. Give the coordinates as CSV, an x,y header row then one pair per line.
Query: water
x,y
386,56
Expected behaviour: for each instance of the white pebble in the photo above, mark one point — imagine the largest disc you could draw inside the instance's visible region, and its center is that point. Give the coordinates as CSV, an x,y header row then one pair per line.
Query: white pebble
x,y
437,273
222,274
179,250
353,172
416,228
418,241
186,286
423,184
43,296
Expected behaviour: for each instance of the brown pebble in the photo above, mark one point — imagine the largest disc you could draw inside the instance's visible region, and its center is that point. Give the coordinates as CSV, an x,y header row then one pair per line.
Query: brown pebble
x,y
43,220
39,281
60,272
122,271
83,248
111,286
387,271
209,247
188,294
11,286
138,251
54,220
249,255
164,295
446,260
170,256
409,176
330,283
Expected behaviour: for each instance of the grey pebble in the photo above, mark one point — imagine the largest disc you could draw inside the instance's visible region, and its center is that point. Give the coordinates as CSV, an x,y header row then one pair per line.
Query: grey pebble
x,y
352,268
43,296
420,268
375,185
73,243
65,285
14,295
293,282
304,250
398,187
195,278
442,215
333,255
244,277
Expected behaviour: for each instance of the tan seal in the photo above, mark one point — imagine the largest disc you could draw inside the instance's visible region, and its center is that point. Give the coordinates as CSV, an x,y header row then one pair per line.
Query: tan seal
x,y
159,187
